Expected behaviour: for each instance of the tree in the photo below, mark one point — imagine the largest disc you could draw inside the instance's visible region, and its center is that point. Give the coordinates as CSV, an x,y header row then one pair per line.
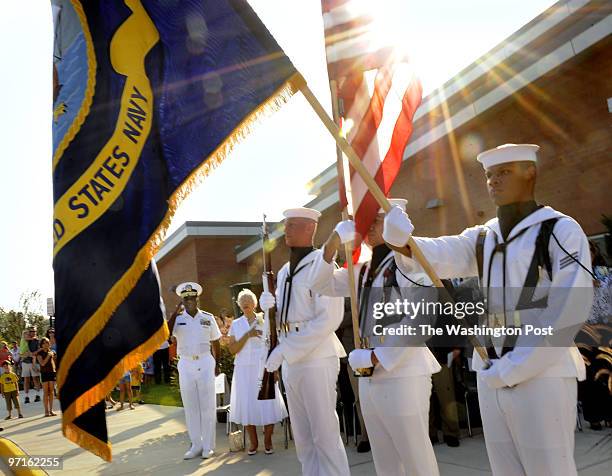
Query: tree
x,y
30,313
31,304
12,324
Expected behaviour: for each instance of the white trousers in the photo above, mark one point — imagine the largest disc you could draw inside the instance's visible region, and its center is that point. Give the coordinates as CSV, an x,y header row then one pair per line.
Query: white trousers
x,y
396,414
311,395
529,429
197,383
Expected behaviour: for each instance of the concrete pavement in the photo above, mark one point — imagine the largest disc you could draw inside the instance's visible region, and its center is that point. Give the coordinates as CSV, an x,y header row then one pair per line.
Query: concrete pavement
x,y
152,439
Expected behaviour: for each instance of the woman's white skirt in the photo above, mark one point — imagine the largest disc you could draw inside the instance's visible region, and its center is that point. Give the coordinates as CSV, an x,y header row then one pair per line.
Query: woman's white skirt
x,y
245,409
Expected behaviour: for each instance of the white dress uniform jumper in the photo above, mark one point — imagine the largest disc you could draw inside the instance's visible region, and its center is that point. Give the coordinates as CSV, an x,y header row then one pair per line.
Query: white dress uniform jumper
x,y
196,367
528,396
395,400
310,368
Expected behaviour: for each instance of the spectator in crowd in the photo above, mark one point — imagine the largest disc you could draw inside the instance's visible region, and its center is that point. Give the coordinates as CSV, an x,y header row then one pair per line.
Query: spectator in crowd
x,y
226,318
593,392
110,403
444,408
50,334
5,353
47,361
28,349
9,383
149,371
15,358
15,352
172,353
125,386
224,322
161,363
136,375
247,339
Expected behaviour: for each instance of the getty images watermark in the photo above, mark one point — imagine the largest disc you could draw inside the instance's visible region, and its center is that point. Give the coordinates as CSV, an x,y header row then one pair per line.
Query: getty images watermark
x,y
529,317
458,310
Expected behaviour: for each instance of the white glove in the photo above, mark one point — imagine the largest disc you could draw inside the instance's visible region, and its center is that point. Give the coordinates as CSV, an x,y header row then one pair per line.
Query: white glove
x,y
274,360
397,228
346,231
491,378
267,301
360,359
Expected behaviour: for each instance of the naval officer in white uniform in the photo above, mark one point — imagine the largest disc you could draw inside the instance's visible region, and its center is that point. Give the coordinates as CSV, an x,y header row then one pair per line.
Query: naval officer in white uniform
x,y
309,351
395,399
528,396
197,334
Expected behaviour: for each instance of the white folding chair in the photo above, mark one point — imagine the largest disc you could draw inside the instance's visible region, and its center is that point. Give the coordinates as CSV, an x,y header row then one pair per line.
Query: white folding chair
x,y
222,394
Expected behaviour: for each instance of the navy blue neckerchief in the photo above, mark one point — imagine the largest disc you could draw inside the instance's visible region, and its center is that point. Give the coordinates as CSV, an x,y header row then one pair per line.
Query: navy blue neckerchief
x,y
297,254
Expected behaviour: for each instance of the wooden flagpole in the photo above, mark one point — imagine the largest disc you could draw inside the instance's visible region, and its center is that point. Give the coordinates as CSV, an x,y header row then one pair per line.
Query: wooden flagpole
x,y
378,194
348,247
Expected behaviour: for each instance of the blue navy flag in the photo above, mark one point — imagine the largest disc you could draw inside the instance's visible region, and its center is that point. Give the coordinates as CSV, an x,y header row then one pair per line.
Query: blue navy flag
x,y
148,97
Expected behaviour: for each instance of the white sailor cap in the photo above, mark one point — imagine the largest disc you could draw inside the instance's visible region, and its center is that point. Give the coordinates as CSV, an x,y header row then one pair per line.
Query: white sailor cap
x,y
508,153
188,289
396,202
302,212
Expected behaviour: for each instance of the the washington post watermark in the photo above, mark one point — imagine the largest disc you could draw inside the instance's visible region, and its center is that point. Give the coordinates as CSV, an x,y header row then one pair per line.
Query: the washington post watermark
x,y
520,317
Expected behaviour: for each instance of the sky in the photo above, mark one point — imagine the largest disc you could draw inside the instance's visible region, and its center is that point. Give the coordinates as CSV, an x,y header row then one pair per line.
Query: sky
x,y
268,171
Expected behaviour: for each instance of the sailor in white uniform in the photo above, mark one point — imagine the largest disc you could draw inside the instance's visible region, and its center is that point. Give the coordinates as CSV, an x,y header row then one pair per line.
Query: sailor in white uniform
x,y
395,399
196,333
534,263
309,351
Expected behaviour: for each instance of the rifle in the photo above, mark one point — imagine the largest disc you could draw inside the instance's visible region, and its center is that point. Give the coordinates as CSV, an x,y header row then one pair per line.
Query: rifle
x,y
267,389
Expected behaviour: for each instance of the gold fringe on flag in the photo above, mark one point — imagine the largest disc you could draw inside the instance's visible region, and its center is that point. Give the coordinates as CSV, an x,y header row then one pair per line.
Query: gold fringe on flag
x,y
88,441
92,396
122,288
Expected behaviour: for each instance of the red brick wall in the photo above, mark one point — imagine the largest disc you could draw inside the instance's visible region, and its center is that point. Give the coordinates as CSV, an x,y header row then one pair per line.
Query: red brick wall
x,y
210,261
217,270
177,267
564,112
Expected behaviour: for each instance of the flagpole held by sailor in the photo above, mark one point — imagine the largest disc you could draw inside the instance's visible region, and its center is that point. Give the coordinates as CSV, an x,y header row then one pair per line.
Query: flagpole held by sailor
x,y
395,399
528,396
197,335
308,351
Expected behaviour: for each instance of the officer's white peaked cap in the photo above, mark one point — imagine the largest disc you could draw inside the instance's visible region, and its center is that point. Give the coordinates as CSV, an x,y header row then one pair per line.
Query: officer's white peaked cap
x,y
508,153
188,289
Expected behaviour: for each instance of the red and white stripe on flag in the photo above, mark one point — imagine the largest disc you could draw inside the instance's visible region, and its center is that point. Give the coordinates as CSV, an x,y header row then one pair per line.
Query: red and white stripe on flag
x,y
376,115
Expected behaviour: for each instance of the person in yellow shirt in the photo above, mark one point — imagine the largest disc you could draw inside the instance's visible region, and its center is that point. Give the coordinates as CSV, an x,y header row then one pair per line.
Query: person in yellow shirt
x,y
10,388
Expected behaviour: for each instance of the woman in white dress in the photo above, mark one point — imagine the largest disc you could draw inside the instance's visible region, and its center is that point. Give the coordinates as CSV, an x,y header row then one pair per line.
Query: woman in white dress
x,y
248,341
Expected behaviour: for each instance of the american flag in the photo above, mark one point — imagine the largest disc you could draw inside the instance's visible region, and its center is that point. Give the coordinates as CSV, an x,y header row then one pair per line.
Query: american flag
x,y
376,116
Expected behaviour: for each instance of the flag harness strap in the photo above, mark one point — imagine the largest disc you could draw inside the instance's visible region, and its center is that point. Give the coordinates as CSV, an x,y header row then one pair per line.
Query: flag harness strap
x,y
540,259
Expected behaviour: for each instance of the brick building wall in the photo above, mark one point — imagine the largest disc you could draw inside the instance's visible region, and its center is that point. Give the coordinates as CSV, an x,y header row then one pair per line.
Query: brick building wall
x,y
177,267
565,112
217,270
210,261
